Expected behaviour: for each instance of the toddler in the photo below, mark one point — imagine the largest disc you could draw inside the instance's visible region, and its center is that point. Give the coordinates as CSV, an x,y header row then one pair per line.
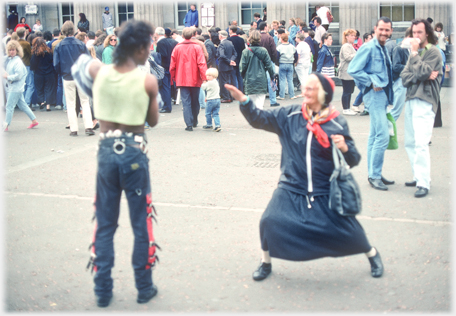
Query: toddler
x,y
212,89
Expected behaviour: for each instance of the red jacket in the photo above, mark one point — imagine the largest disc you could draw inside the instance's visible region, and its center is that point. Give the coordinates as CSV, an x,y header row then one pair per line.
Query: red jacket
x,y
188,65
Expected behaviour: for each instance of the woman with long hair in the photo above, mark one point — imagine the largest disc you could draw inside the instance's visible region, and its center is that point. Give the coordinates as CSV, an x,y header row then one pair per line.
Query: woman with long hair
x,y
347,53
41,63
15,73
109,45
22,23
83,24
292,31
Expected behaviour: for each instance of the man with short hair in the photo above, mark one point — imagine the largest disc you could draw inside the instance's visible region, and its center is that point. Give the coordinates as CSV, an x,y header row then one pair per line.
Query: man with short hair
x,y
372,71
165,46
27,49
227,56
319,30
421,76
201,44
275,27
267,42
257,19
91,36
239,46
175,36
188,76
107,19
65,55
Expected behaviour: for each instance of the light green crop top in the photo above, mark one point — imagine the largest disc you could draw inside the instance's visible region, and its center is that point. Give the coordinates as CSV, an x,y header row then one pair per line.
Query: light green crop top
x,y
120,97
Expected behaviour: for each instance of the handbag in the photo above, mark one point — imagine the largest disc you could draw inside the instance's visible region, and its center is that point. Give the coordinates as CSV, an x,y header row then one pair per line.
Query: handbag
x,y
155,69
329,16
344,194
393,144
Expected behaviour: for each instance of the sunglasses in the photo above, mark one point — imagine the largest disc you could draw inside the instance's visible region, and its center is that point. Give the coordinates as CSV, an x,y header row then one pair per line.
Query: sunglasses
x,y
112,39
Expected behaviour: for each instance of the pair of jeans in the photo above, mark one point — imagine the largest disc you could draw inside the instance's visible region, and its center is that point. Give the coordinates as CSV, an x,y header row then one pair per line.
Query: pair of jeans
x,y
236,79
59,92
272,94
165,92
29,86
46,88
399,98
224,77
286,76
190,103
201,99
419,122
212,112
378,134
13,99
128,172
359,100
348,86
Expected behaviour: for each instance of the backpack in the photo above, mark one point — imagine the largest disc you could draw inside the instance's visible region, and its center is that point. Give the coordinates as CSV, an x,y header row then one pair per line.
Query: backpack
x,y
329,16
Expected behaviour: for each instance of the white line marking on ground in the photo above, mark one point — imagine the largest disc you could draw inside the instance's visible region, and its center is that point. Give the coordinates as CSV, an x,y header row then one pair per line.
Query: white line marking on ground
x,y
224,208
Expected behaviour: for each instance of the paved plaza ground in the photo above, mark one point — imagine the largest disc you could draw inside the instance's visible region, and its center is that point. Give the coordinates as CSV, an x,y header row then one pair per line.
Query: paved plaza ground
x,y
210,190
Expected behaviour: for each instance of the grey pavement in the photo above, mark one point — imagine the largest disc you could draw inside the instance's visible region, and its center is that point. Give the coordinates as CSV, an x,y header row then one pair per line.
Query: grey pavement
x,y
210,190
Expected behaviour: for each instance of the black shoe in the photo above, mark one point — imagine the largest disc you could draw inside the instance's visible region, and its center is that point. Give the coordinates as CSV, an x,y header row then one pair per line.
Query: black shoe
x,y
262,272
207,127
103,301
377,184
96,126
164,111
67,127
89,132
364,113
421,192
74,134
387,182
189,129
217,129
195,125
146,297
376,265
42,106
430,143
410,184
275,104
32,108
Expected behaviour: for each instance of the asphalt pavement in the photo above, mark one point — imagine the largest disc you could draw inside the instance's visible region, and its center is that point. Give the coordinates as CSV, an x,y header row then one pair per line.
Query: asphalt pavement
x,y
210,190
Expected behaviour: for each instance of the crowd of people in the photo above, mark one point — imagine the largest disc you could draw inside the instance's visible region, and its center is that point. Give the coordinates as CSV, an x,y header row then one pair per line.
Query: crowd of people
x,y
113,86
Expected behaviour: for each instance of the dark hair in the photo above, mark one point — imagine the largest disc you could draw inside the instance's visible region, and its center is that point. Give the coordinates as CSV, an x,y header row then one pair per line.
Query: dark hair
x,y
91,35
56,32
199,31
283,22
318,19
240,31
215,38
357,33
438,24
100,39
303,24
234,28
39,47
133,36
365,36
311,34
385,20
263,25
280,31
429,31
39,34
20,21
217,29
83,17
251,23
325,37
408,32
30,38
256,15
206,36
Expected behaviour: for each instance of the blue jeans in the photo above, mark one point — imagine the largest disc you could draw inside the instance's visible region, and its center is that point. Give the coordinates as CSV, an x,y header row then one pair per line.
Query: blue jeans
x,y
272,94
399,98
419,122
212,112
165,92
286,74
59,96
190,102
359,100
201,98
378,134
236,78
29,86
13,99
117,172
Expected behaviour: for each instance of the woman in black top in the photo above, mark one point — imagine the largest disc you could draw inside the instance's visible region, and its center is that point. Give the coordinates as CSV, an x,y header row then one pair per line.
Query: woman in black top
x,y
83,24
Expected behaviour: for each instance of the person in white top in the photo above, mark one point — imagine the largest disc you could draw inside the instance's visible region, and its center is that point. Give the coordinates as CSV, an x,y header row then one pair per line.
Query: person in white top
x,y
440,35
175,35
323,14
303,64
319,31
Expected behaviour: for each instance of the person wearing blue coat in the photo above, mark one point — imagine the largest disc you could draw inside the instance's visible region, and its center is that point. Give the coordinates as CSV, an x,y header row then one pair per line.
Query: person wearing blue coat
x,y
298,224
191,19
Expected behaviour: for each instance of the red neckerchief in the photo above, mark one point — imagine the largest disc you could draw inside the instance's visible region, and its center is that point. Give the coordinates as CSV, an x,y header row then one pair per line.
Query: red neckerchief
x,y
314,122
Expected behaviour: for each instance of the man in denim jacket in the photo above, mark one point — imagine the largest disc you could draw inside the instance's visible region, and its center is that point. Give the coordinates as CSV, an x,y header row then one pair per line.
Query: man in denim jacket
x,y
372,71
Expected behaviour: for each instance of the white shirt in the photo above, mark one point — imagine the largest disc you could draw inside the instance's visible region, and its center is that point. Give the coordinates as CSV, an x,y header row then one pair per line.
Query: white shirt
x,y
319,31
90,43
304,53
322,13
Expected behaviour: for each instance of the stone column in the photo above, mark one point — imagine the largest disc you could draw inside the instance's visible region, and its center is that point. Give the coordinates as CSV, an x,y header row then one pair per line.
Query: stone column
x,y
151,12
93,13
361,16
221,16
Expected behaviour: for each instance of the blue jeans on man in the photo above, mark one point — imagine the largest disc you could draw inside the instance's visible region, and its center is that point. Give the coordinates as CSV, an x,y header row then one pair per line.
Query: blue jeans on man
x,y
378,134
165,91
201,99
286,76
236,78
190,102
29,86
399,98
212,112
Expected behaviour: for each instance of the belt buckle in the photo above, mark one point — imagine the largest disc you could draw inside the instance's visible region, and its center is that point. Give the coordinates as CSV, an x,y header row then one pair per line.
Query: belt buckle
x,y
120,143
143,147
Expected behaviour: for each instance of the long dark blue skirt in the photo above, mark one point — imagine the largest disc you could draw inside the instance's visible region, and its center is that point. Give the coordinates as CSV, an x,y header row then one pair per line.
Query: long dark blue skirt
x,y
292,231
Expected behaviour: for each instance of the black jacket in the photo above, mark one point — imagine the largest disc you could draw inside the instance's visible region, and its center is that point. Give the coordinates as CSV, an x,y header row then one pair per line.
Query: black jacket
x,y
226,53
165,48
42,65
239,46
399,60
212,53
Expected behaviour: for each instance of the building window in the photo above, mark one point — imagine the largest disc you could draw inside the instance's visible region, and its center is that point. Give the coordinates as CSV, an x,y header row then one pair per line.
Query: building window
x,y
67,12
248,8
182,9
398,12
331,5
125,12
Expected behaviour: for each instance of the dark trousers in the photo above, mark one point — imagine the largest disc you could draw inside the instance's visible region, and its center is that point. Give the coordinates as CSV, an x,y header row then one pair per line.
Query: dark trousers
x,y
116,174
224,77
59,95
236,78
190,102
165,92
438,117
46,88
348,86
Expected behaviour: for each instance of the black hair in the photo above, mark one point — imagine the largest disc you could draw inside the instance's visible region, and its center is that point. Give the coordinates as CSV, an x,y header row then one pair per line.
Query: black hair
x,y
263,25
365,36
206,36
20,20
215,38
385,20
240,31
318,19
133,36
91,35
47,36
256,15
199,31
429,31
280,31
438,24
283,22
83,17
217,29
56,32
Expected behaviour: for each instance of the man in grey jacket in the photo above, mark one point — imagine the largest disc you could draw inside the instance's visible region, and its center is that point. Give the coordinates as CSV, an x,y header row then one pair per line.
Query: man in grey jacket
x,y
421,76
107,19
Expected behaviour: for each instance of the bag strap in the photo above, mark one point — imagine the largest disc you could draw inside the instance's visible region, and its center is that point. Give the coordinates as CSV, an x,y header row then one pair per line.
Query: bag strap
x,y
338,157
257,56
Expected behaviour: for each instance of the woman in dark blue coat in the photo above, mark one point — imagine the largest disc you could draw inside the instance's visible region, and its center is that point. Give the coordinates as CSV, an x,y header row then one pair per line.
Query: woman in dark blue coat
x,y
297,223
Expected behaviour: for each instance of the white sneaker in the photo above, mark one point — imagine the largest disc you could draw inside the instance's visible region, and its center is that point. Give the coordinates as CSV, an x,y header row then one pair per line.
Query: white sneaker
x,y
348,112
356,108
58,107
